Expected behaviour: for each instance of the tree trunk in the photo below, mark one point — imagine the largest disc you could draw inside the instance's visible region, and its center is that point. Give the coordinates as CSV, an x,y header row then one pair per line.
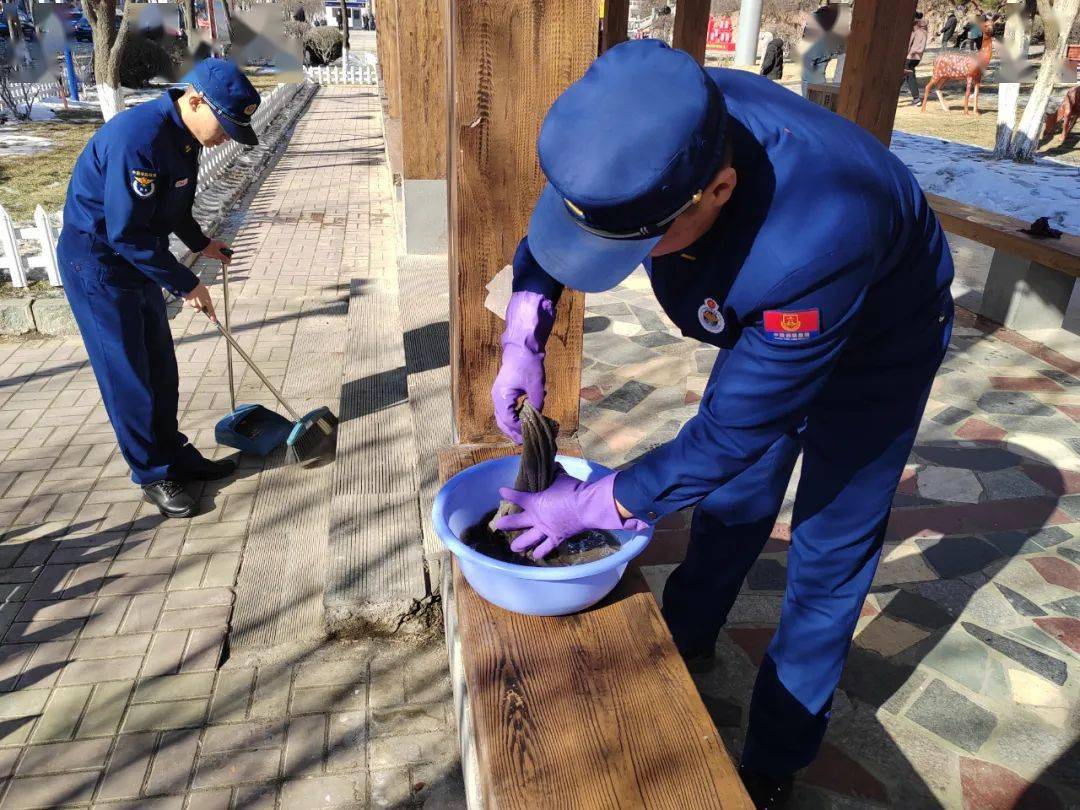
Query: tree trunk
x,y
344,34
1009,86
109,43
190,24
1057,21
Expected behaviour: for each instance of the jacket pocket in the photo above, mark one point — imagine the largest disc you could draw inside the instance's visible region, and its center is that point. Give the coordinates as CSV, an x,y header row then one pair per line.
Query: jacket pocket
x,y
121,276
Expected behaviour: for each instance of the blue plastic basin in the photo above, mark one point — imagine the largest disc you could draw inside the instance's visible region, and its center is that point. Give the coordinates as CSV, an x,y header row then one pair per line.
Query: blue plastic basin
x,y
474,492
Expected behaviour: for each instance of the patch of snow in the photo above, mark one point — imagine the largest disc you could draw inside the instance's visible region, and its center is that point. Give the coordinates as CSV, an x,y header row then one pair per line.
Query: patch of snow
x,y
1027,191
41,113
12,143
358,58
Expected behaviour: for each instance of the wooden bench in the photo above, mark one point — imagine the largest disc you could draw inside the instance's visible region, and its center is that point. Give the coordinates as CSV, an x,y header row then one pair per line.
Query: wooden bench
x,y
1030,280
594,710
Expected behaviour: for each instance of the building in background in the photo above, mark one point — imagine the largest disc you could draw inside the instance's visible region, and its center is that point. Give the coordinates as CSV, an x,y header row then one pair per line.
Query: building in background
x,y
358,10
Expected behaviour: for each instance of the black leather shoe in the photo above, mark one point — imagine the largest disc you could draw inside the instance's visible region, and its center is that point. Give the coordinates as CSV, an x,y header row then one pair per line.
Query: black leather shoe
x,y
170,499
767,792
203,469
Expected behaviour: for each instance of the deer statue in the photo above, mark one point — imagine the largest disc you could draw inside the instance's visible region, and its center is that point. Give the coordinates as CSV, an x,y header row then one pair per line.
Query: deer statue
x,y
1066,115
949,66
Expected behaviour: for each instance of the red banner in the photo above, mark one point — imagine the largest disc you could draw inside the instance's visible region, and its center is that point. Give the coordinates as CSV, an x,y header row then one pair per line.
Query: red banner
x,y
721,36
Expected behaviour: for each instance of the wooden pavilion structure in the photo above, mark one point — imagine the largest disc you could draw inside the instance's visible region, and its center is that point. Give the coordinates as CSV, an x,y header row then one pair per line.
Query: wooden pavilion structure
x,y
594,710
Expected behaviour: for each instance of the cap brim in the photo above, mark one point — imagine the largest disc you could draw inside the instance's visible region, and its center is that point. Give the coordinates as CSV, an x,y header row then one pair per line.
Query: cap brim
x,y
241,134
573,256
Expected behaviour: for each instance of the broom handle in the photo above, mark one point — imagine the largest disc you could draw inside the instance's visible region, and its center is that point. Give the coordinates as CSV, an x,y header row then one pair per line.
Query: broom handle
x,y
251,363
228,346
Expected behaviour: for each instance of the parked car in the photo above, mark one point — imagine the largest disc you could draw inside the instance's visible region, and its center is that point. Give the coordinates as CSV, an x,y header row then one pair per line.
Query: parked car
x,y
81,30
25,22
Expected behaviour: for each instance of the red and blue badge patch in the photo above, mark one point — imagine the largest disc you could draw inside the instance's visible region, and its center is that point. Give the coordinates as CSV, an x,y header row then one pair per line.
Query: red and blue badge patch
x,y
791,327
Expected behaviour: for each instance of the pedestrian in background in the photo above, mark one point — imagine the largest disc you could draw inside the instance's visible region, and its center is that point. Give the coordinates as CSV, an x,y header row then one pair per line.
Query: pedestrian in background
x,y
948,29
772,63
916,48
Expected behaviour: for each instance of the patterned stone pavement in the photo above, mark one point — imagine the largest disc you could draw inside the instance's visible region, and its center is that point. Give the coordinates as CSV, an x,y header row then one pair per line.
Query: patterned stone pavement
x,y
962,689
118,687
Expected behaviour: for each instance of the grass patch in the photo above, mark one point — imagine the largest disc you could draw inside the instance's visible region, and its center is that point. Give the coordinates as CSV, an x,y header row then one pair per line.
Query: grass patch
x,y
42,178
263,82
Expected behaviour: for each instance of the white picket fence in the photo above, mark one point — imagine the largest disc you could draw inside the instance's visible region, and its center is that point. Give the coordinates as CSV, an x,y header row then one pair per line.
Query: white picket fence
x,y
26,248
353,74
29,247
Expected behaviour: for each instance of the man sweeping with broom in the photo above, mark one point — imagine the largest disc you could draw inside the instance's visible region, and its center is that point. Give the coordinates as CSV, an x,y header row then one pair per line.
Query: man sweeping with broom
x,y
793,241
132,186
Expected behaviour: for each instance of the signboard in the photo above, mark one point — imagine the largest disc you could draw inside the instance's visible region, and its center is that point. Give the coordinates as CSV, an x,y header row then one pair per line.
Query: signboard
x,y
721,35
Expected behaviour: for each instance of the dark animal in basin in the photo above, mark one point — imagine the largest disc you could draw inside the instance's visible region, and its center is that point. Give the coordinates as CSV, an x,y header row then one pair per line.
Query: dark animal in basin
x,y
536,472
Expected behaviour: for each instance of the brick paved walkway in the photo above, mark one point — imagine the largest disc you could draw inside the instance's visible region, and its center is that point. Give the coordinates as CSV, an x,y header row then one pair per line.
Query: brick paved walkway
x,y
963,687
119,688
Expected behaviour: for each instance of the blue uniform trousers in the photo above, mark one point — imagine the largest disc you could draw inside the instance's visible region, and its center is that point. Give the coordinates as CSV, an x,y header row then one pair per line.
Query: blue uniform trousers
x,y
121,315
855,443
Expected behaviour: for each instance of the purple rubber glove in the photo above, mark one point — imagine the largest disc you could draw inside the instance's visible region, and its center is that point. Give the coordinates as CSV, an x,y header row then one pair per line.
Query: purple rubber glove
x,y
529,318
568,507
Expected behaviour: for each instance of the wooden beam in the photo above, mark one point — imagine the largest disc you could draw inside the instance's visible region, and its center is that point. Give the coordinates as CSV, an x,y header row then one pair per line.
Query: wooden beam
x,y
874,65
377,8
422,64
589,711
616,23
691,27
1003,232
386,34
509,61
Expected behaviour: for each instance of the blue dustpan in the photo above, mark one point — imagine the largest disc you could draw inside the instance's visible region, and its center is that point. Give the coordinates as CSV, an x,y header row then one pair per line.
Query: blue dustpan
x,y
253,429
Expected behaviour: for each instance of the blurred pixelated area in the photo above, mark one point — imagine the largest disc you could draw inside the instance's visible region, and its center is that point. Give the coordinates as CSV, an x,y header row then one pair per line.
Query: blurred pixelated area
x,y
146,42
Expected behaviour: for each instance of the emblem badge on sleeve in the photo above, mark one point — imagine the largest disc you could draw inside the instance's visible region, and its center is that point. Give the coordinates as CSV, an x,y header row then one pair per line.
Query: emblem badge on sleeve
x,y
791,327
142,182
710,318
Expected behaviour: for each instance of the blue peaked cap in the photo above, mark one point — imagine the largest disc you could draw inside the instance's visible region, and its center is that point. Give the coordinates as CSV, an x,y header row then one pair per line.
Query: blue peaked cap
x,y
625,150
230,95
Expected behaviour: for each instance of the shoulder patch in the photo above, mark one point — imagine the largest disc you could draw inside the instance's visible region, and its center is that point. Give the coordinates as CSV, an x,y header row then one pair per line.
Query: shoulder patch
x,y
710,317
793,326
143,182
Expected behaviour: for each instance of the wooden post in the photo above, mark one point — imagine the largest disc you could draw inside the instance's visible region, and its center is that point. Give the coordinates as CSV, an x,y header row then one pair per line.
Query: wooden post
x,y
509,61
386,35
616,22
874,66
422,82
691,28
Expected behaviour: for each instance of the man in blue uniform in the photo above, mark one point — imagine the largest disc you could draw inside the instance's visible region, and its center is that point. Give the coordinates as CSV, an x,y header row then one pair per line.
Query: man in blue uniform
x,y
792,240
132,186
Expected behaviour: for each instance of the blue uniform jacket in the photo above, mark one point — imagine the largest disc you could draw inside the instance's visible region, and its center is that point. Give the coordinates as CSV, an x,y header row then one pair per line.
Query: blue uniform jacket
x,y
827,255
131,187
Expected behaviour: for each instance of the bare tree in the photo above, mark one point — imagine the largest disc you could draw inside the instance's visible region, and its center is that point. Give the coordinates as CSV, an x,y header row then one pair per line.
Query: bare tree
x,y
110,39
17,97
324,42
1058,18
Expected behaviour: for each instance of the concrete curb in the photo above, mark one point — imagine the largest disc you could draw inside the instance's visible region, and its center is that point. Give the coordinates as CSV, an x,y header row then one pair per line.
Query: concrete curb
x,y
49,314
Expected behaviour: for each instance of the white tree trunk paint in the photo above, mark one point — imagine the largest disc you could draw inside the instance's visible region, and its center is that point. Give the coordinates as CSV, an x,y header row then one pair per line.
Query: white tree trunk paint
x,y
111,100
1008,95
1025,140
1009,84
